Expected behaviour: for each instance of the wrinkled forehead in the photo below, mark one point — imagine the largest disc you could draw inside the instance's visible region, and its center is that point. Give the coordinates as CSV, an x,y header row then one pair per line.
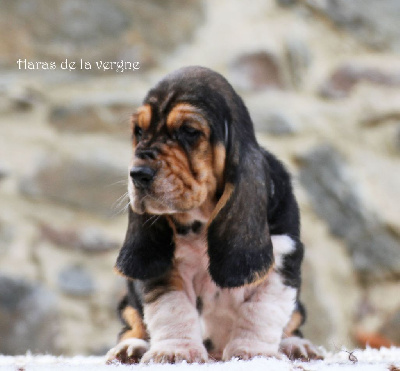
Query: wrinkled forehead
x,y
151,117
195,94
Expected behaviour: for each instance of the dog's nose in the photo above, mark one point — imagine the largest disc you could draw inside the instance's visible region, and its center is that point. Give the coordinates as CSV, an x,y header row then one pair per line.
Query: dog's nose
x,y
142,176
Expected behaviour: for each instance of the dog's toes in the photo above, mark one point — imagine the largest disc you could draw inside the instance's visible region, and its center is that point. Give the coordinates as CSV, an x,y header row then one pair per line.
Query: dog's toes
x,y
297,348
128,351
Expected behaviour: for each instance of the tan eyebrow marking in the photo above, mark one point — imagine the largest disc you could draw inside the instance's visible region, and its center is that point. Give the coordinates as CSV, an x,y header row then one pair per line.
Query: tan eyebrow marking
x,y
182,112
144,116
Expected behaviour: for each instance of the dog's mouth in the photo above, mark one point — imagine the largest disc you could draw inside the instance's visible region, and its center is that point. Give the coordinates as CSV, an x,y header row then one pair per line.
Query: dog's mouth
x,y
163,191
145,201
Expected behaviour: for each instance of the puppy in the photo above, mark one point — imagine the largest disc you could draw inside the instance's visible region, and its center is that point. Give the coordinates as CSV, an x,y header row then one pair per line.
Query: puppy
x,y
212,253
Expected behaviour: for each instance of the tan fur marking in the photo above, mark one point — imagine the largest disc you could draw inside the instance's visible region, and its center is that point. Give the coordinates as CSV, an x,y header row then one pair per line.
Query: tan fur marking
x,y
133,319
260,277
173,282
181,112
219,163
176,280
184,188
222,201
117,271
294,323
129,334
171,224
144,116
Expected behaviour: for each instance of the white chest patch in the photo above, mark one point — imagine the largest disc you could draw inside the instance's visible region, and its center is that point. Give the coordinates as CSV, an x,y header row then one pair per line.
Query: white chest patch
x,y
219,308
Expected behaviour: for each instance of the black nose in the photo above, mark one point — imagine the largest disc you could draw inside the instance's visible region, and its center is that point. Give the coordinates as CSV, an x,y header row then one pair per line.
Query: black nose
x,y
142,176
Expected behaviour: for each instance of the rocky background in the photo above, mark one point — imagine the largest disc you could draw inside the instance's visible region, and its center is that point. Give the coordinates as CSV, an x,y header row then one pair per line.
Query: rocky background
x,y
321,79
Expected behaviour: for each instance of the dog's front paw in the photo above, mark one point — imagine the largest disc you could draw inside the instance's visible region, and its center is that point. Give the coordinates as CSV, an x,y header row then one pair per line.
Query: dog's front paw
x,y
174,351
298,348
246,349
127,351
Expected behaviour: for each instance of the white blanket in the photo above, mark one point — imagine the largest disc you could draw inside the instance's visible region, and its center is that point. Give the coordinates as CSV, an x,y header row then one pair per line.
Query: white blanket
x,y
385,359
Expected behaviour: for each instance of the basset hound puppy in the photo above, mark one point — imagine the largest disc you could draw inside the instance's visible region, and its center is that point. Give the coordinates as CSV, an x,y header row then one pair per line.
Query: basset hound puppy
x,y
212,253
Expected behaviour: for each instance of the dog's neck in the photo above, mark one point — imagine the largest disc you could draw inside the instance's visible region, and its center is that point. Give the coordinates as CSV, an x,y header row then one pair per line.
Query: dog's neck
x,y
193,220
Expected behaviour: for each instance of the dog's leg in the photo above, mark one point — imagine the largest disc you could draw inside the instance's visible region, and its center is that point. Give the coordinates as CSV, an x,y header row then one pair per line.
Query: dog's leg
x,y
261,320
132,342
263,316
293,344
174,328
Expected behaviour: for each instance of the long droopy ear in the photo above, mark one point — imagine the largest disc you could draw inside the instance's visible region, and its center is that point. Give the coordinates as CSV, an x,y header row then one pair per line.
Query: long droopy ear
x,y
148,248
239,243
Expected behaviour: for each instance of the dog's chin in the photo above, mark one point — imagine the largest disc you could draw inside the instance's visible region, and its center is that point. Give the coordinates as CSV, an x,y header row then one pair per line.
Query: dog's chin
x,y
137,207
149,204
150,207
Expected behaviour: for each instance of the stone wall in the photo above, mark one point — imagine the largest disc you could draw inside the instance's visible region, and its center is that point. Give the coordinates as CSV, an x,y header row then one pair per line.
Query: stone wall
x,y
321,79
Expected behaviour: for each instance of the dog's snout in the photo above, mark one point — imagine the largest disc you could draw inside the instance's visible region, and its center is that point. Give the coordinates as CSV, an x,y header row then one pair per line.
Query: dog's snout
x,y
142,176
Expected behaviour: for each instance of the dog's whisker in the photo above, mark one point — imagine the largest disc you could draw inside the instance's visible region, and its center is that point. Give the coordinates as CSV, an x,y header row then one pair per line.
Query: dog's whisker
x,y
150,219
157,217
119,201
120,210
160,200
122,181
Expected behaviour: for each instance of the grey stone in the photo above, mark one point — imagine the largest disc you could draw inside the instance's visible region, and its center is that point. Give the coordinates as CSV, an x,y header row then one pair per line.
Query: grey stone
x,y
76,281
375,23
391,328
298,58
166,24
28,317
89,239
95,29
345,78
321,330
111,116
375,119
257,71
397,138
374,249
89,183
7,233
3,173
276,123
67,29
286,2
18,98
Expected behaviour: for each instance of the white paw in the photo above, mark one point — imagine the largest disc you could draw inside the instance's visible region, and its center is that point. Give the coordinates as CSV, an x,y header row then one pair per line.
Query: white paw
x,y
127,351
174,351
247,349
298,348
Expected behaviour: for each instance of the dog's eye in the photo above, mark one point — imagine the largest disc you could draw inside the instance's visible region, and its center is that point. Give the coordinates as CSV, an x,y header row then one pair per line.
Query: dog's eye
x,y
138,133
189,132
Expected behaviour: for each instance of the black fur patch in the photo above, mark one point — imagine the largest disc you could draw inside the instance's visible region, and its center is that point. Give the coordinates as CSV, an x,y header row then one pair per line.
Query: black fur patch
x,y
134,299
196,227
291,266
208,344
199,304
154,288
148,247
184,230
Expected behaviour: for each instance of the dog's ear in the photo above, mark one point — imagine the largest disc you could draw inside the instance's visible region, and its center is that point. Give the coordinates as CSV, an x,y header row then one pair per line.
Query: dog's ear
x,y
239,243
148,248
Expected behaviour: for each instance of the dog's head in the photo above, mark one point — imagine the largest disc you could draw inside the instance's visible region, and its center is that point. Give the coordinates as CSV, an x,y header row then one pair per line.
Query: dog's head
x,y
194,144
